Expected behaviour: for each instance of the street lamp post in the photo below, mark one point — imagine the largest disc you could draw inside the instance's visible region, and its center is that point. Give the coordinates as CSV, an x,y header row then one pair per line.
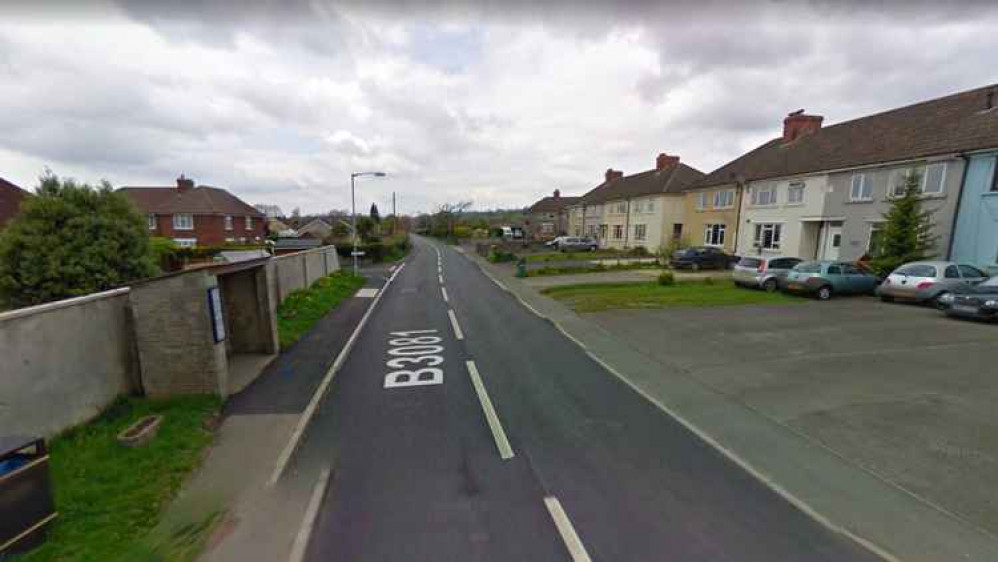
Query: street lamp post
x,y
353,209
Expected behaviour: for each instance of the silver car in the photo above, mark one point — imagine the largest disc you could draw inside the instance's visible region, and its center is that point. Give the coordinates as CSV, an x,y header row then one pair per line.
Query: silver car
x,y
763,272
927,281
574,244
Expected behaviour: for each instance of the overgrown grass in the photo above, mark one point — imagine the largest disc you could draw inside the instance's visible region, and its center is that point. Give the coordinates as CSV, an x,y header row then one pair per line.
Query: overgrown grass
x,y
109,496
302,309
605,296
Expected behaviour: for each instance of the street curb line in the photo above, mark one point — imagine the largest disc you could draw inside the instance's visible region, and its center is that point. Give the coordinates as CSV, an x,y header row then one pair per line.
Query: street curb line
x,y
311,515
730,455
306,417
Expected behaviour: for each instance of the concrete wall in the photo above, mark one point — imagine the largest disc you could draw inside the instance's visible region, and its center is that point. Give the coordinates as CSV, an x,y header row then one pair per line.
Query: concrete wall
x,y
294,272
315,266
63,362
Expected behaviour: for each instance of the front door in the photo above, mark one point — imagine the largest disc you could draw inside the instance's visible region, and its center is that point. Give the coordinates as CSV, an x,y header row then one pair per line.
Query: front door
x,y
833,241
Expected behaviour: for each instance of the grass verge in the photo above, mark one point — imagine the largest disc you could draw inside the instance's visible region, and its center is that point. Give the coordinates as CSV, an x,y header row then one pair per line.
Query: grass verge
x,y
606,296
567,256
598,268
110,496
302,309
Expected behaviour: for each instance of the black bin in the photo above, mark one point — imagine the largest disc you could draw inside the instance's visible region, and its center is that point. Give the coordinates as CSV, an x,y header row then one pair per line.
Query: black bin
x,y
26,506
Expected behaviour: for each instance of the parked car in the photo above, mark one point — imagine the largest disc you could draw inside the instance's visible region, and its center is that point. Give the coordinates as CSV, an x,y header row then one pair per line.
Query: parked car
x,y
826,278
574,244
764,272
927,281
973,301
554,242
701,257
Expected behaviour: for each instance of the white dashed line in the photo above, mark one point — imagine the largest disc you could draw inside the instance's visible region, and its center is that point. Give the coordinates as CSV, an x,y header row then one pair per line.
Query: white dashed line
x,y
444,291
502,443
311,514
453,322
441,279
572,541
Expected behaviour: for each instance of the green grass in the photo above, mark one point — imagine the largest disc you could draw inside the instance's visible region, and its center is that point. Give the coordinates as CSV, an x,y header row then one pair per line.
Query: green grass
x,y
599,268
567,256
302,309
605,296
110,496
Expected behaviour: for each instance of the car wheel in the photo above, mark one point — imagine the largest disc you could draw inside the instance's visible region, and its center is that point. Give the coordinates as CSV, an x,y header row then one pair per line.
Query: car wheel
x,y
885,298
824,293
769,286
937,301
694,267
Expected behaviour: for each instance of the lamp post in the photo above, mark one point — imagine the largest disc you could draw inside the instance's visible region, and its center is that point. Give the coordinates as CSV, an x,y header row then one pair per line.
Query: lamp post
x,y
353,209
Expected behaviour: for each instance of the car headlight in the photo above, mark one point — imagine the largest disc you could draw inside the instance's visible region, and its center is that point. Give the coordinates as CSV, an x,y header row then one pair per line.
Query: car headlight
x,y
948,298
991,303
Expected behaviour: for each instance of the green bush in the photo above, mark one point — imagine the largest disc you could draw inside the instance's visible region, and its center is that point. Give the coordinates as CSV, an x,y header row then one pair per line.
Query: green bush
x,y
72,239
499,256
666,278
639,252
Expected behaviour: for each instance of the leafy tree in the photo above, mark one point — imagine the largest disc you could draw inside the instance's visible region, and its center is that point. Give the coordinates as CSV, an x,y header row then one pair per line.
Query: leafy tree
x,y
907,233
375,216
72,239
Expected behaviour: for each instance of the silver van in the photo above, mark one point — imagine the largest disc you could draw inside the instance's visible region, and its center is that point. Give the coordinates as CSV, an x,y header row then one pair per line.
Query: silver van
x,y
763,272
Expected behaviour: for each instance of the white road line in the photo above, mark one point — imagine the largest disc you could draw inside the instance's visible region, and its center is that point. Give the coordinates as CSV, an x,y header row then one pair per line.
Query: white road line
x,y
444,291
441,278
572,541
502,443
308,521
313,404
453,322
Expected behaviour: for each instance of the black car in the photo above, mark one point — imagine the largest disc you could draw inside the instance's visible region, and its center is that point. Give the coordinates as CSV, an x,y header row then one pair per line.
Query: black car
x,y
701,257
973,301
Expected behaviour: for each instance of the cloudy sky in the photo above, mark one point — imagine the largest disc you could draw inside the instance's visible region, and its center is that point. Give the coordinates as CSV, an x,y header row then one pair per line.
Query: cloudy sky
x,y
497,102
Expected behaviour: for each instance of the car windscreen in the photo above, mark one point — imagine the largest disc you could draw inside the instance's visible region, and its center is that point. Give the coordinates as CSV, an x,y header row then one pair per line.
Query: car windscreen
x,y
749,262
916,270
808,267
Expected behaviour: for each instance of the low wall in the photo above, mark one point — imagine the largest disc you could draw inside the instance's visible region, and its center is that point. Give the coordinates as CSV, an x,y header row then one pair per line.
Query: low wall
x,y
64,362
294,272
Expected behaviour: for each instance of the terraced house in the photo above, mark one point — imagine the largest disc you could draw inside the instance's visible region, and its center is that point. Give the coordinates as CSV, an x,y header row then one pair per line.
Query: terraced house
x,y
643,209
822,192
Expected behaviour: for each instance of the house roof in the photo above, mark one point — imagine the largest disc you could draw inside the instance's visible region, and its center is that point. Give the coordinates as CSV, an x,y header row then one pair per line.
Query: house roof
x,y
296,243
951,124
551,205
200,200
10,200
315,223
671,179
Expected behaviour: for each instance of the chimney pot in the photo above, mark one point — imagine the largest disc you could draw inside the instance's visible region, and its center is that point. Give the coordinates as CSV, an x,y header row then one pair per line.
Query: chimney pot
x,y
183,183
612,174
557,194
798,124
664,161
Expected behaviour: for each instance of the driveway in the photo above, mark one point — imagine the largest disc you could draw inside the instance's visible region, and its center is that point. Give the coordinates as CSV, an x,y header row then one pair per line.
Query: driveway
x,y
901,390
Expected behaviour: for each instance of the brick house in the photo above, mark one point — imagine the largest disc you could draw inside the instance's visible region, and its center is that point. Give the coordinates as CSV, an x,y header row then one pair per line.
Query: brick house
x,y
10,201
548,217
198,215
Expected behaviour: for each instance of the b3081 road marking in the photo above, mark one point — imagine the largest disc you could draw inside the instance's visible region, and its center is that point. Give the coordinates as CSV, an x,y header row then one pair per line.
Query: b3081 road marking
x,y
572,541
457,327
502,443
406,349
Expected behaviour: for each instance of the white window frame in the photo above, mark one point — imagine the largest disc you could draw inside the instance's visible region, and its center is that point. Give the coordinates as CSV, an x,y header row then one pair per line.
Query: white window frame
x,y
724,199
874,226
547,228
798,187
151,221
640,232
714,234
865,188
942,179
180,224
775,235
186,242
228,222
756,196
249,223
702,201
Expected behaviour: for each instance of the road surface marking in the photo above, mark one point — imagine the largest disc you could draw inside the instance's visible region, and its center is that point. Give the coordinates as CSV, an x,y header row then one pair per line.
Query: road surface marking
x,y
441,278
308,521
572,541
313,404
457,328
444,291
367,293
502,443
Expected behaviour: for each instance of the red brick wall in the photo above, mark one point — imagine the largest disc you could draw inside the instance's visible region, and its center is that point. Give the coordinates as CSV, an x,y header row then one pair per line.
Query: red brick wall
x,y
210,229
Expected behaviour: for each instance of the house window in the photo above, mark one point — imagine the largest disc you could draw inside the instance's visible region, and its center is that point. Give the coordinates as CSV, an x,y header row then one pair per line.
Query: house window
x,y
151,221
677,231
994,180
701,200
934,180
764,196
713,235
186,242
795,194
618,231
876,241
249,223
724,199
547,228
228,222
650,206
640,231
602,231
767,236
861,189
591,230
183,221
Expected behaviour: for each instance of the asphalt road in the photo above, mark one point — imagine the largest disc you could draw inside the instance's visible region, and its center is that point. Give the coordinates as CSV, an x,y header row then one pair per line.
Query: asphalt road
x,y
591,469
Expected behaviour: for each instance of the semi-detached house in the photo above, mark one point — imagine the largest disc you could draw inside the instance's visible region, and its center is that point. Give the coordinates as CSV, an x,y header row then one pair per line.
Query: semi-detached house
x,y
822,192
643,209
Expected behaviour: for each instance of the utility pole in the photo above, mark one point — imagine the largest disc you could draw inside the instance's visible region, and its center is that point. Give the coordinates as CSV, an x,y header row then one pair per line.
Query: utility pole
x,y
395,216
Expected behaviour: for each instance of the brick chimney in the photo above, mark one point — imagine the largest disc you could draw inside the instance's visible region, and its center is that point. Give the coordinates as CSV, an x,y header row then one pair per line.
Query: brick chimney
x,y
612,174
557,194
798,124
664,161
183,184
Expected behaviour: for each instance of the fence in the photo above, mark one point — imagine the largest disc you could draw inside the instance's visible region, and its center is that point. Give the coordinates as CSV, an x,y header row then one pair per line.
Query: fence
x,y
294,272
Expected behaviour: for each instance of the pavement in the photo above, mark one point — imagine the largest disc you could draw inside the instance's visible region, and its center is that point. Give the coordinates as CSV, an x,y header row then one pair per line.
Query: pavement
x,y
463,426
699,365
